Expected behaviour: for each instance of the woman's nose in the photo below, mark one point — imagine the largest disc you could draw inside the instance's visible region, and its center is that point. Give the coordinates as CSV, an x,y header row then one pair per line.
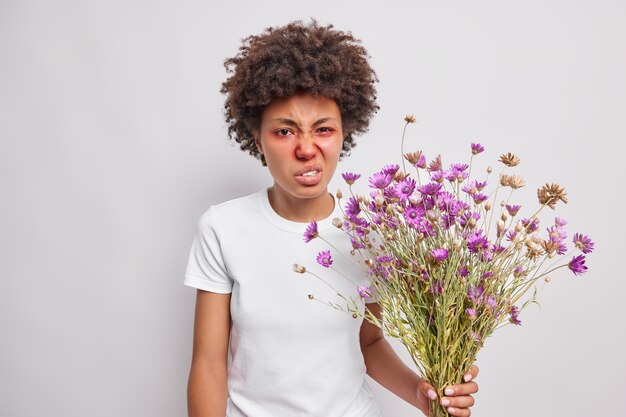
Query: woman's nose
x,y
306,147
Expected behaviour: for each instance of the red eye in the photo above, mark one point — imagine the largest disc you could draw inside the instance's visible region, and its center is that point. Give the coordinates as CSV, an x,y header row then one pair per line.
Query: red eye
x,y
283,132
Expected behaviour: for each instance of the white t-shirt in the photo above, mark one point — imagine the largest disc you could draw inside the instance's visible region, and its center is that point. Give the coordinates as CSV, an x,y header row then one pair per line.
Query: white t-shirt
x,y
289,356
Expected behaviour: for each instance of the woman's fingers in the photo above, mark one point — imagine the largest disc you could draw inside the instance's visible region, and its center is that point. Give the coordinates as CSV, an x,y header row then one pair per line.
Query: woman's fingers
x,y
471,374
427,389
465,388
459,412
465,401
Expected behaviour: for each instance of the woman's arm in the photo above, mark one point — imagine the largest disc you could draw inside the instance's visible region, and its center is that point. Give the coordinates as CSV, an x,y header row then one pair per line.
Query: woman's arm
x,y
207,389
386,368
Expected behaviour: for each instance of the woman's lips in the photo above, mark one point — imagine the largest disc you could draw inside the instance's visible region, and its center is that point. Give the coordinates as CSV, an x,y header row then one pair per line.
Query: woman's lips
x,y
312,177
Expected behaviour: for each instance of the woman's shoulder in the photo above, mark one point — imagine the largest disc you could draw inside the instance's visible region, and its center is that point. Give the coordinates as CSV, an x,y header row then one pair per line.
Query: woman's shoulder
x,y
235,209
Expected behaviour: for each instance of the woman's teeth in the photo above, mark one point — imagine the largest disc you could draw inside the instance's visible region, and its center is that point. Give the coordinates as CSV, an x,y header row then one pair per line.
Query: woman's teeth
x,y
310,174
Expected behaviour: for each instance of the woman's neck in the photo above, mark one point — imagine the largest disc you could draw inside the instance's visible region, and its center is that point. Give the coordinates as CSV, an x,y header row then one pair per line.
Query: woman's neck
x,y
301,209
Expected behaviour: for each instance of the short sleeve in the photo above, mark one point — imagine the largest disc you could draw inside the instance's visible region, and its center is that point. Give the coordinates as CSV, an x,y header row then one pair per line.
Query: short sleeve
x,y
206,269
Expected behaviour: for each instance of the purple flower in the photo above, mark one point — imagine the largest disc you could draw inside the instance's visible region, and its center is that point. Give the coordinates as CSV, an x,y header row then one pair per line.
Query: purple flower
x,y
324,259
413,214
467,216
436,176
514,312
491,302
583,243
477,148
531,225
350,177
438,287
384,259
470,187
435,164
421,162
479,198
439,254
475,293
471,312
364,292
480,185
497,249
577,265
486,274
430,189
560,221
352,207
510,235
380,180
405,188
477,242
463,272
356,244
519,271
513,209
391,169
556,233
311,232
456,173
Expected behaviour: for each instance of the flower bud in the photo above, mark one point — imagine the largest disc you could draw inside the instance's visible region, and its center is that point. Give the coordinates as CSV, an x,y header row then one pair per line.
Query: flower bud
x,y
311,296
354,315
504,217
337,223
489,169
519,226
379,200
339,195
547,279
299,269
488,206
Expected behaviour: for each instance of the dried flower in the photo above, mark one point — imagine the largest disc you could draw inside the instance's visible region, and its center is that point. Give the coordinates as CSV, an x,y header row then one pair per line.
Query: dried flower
x,y
364,292
413,157
299,269
477,148
324,259
509,159
337,223
339,195
513,209
350,177
409,118
311,232
550,194
583,243
439,254
380,180
577,265
514,312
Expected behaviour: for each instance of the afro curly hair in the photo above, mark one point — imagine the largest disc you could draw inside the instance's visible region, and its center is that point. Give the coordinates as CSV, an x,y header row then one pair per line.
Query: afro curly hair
x,y
296,57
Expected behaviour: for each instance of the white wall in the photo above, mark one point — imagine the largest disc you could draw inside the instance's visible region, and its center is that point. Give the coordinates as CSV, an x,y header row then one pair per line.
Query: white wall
x,y
112,144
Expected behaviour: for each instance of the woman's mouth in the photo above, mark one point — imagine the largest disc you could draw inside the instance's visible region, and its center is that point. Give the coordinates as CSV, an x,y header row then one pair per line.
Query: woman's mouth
x,y
312,177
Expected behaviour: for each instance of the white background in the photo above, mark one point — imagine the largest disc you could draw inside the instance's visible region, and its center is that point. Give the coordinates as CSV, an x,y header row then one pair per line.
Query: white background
x,y
112,144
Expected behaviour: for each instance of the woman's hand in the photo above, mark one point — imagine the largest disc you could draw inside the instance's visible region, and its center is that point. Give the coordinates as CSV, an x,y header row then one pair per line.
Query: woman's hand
x,y
458,398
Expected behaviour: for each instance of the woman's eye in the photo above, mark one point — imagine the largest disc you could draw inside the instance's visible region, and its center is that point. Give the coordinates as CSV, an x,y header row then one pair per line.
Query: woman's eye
x,y
325,129
283,132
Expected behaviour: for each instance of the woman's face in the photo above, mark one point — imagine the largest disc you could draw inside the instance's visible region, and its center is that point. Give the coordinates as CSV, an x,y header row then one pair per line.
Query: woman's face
x,y
301,138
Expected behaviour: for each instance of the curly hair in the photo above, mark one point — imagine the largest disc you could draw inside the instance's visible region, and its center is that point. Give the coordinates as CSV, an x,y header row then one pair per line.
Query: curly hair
x,y
283,61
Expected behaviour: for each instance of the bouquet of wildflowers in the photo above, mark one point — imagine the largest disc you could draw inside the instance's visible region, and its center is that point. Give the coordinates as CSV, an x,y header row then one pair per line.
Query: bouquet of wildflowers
x,y
450,263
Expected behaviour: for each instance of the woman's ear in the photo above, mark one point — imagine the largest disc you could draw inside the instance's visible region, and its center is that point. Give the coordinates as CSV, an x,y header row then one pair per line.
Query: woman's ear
x,y
257,143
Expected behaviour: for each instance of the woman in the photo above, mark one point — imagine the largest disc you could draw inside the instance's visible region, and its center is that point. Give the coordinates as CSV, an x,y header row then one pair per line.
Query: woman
x,y
296,97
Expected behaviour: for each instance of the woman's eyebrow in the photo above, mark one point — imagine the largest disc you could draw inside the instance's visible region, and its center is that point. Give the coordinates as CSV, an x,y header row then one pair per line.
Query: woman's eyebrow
x,y
291,122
